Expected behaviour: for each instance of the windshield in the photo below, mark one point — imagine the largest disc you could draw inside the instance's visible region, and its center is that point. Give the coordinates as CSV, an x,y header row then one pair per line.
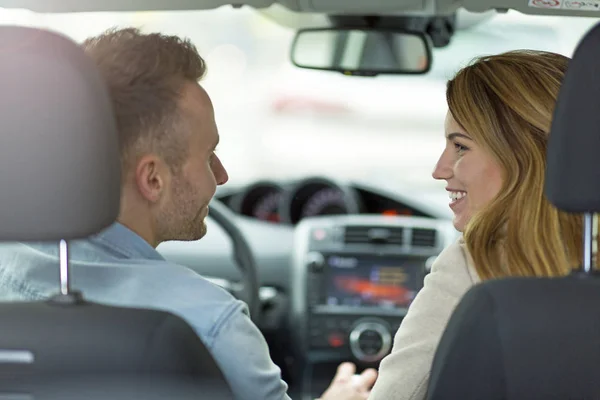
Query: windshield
x,y
278,121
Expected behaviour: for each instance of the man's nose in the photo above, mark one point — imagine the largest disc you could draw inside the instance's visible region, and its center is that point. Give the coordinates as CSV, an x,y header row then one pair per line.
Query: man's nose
x,y
220,173
443,168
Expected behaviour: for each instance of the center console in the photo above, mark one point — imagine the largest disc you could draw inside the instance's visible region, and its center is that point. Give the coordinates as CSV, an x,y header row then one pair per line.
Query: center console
x,y
354,278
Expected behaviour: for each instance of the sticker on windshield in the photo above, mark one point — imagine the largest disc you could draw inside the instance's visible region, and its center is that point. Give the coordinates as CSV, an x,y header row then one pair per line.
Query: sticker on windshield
x,y
582,5
575,5
545,3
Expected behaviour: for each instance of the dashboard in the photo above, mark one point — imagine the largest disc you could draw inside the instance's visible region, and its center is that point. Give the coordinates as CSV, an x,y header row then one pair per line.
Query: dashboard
x,y
291,202
270,212
338,265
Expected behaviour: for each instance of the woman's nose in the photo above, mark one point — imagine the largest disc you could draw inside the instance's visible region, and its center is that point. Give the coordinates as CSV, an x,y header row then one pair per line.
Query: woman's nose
x,y
443,168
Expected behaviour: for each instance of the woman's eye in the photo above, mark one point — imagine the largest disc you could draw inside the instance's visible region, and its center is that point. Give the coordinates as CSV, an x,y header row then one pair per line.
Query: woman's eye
x,y
460,148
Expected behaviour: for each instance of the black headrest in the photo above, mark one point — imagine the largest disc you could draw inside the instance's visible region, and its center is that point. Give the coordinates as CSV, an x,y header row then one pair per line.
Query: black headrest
x,y
573,172
59,156
521,338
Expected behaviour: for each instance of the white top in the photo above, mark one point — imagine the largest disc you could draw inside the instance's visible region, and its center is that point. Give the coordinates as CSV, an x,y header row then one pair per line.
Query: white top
x,y
404,373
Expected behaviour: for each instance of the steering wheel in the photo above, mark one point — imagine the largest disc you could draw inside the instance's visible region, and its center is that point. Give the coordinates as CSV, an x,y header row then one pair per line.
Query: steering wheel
x,y
242,255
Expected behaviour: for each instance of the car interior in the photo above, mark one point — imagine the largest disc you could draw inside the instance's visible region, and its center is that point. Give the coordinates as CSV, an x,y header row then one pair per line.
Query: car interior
x,y
331,118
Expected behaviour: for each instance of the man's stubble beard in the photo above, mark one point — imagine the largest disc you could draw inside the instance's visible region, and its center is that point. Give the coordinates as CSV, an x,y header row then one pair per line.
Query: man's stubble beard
x,y
182,219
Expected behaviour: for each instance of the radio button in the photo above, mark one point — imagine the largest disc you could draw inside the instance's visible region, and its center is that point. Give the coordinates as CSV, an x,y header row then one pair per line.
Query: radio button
x,y
370,341
315,332
336,340
315,261
318,342
345,324
331,323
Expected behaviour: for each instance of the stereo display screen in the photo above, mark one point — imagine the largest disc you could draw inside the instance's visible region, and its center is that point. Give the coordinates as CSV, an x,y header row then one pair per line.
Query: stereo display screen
x,y
373,281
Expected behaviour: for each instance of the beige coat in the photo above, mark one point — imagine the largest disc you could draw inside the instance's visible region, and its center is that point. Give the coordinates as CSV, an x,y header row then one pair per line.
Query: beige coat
x,y
404,374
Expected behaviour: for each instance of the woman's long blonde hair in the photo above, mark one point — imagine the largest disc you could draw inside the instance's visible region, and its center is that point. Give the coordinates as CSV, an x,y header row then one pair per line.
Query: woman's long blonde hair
x,y
505,102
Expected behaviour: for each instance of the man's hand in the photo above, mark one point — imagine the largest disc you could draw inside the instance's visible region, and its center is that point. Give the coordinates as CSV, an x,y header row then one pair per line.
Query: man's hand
x,y
347,386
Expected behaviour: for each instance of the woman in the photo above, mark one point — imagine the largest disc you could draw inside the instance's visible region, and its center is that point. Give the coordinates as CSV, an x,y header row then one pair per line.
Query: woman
x,y
500,108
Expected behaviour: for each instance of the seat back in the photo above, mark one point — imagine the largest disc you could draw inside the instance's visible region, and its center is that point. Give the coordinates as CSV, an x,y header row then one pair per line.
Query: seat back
x,y
539,338
60,180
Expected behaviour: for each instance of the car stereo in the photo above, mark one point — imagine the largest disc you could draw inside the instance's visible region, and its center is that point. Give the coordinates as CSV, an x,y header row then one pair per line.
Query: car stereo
x,y
354,278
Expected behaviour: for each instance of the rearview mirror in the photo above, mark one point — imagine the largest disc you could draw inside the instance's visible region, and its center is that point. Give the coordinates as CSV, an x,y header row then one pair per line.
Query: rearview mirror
x,y
364,52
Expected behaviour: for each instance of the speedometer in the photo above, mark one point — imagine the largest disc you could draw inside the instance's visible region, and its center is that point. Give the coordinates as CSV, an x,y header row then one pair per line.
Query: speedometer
x,y
327,201
267,207
260,201
315,197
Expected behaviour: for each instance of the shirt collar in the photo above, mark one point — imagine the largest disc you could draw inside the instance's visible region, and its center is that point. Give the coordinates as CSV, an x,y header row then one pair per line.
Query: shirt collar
x,y
123,240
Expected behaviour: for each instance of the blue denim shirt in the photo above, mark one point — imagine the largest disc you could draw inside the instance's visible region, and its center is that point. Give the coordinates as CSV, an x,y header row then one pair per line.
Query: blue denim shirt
x,y
117,267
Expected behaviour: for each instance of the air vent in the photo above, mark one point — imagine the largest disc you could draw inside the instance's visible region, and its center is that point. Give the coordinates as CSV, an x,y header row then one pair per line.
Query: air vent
x,y
423,237
374,235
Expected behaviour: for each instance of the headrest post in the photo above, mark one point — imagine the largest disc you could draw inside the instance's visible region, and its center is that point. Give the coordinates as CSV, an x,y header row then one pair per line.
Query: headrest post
x,y
590,241
65,284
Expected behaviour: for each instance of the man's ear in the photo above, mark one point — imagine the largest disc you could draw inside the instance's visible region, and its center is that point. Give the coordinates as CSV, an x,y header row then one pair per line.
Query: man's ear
x,y
151,177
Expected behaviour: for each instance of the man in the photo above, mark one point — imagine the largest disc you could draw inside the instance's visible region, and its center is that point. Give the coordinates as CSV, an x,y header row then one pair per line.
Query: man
x,y
170,173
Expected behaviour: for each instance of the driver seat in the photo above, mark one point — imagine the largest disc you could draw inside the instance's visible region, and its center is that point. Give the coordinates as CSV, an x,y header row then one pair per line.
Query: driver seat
x,y
60,180
539,338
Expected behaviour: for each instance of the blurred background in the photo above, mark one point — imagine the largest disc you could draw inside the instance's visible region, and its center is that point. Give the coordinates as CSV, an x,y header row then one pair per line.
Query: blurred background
x,y
278,121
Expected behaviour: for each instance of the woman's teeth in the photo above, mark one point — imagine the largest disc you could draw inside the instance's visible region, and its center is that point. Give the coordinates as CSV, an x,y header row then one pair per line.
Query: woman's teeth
x,y
457,195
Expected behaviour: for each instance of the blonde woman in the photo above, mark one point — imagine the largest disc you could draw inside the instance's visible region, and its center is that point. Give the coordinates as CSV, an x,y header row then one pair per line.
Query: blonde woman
x,y
496,129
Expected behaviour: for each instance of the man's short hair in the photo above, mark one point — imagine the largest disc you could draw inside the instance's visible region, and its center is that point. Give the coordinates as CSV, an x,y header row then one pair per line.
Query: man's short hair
x,y
145,74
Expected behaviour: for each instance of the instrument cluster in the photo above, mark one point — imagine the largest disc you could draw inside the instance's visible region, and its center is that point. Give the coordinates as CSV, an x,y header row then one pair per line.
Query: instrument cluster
x,y
274,202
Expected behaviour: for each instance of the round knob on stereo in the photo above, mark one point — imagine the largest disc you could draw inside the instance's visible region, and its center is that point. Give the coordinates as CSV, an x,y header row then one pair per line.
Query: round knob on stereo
x,y
315,261
370,341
